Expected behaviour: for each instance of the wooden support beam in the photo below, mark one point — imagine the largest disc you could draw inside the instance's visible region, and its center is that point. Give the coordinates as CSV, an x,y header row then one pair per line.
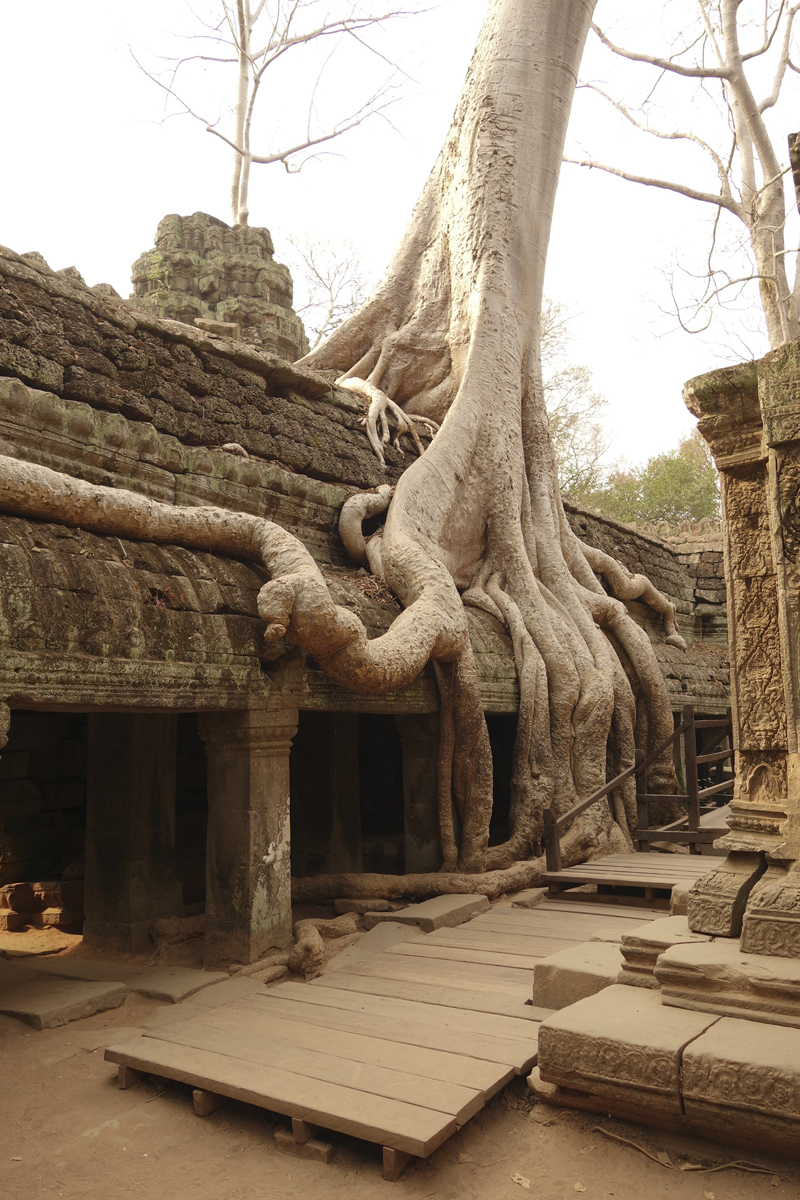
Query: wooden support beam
x,y
303,1131
127,1077
394,1163
205,1102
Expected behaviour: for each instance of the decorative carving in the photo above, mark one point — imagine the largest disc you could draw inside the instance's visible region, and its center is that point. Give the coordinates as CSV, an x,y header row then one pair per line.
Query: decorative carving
x,y
742,1085
5,723
772,918
755,640
717,900
602,1060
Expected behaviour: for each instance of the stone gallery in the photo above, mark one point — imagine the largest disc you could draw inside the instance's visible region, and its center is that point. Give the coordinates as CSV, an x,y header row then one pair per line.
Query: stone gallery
x,y
307,662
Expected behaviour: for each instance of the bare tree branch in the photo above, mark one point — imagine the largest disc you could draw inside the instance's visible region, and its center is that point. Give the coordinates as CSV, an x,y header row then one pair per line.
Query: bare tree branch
x,y
664,64
681,189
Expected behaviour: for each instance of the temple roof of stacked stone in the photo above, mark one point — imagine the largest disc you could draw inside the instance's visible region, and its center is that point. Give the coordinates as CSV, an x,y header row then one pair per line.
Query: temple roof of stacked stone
x,y
93,387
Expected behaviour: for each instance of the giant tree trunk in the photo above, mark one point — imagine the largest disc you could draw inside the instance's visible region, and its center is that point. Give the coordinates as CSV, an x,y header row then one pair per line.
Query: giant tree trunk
x,y
453,334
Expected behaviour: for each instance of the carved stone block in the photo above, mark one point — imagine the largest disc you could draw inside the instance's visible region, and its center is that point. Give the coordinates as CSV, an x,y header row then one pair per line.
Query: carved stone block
x,y
717,900
772,918
641,948
745,1080
620,1044
719,977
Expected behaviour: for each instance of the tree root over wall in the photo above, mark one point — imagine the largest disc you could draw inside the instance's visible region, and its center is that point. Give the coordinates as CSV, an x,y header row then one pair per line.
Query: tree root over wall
x,y
452,336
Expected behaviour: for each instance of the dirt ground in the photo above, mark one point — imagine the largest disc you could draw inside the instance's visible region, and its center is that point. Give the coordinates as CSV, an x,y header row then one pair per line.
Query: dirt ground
x,y
68,1131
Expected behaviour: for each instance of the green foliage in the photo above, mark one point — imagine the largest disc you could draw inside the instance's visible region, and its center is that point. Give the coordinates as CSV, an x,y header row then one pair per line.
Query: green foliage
x,y
681,485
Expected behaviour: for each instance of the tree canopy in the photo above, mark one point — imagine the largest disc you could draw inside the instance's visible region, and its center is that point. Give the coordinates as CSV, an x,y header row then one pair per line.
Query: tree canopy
x,y
678,485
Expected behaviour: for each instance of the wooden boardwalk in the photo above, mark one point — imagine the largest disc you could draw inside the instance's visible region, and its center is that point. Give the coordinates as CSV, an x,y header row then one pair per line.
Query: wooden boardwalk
x,y
399,1048
653,875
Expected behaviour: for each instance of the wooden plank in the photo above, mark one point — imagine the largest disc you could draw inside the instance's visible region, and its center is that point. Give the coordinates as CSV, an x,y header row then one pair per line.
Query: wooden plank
x,y
365,1046
482,1052
460,1102
525,945
325,990
430,994
542,920
466,954
489,979
618,911
513,1036
402,1126
576,927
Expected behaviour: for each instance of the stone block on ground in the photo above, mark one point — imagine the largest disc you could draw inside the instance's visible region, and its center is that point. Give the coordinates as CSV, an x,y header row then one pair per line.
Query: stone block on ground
x,y
442,912
575,973
313,1149
742,1081
45,1003
718,977
175,983
382,937
679,900
642,946
227,990
529,898
621,1044
91,970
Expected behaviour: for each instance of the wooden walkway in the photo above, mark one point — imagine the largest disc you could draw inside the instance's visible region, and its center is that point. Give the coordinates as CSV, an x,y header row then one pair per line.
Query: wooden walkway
x,y
399,1048
653,875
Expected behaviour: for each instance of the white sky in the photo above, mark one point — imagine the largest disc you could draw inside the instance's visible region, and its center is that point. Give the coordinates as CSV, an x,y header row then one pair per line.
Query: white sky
x,y
90,168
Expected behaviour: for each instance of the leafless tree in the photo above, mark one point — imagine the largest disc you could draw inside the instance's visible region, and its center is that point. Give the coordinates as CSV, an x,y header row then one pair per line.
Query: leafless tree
x,y
330,282
733,90
574,408
257,36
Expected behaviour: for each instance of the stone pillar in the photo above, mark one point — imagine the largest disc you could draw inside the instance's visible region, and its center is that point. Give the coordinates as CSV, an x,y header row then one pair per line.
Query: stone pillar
x,y
248,867
420,738
746,415
130,828
344,853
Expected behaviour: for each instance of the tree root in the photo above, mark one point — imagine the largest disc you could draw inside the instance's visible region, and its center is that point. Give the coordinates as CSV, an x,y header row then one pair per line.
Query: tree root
x,y
321,889
354,512
308,954
380,405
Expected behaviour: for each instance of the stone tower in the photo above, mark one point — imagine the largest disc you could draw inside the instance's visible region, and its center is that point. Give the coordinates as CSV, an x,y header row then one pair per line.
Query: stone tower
x,y
203,269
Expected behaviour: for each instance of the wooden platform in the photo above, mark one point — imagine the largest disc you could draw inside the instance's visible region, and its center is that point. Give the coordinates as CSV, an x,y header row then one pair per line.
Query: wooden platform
x,y
399,1048
650,874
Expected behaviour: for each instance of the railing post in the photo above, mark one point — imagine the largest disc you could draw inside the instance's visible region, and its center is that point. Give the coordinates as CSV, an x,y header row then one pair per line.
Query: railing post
x,y
692,785
552,843
642,806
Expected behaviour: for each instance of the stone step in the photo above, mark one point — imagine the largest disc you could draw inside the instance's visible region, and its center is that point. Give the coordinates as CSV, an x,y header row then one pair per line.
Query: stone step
x,y
718,977
573,974
442,912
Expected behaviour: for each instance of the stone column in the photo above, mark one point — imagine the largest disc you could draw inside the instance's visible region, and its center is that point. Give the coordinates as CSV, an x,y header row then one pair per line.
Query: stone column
x,y
130,828
420,738
728,404
749,417
248,867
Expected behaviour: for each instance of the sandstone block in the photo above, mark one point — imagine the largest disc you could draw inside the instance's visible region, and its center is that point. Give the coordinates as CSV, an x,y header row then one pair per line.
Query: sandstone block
x,y
679,900
575,973
361,907
742,1081
175,983
381,937
313,1148
621,1044
46,1003
718,977
642,946
442,912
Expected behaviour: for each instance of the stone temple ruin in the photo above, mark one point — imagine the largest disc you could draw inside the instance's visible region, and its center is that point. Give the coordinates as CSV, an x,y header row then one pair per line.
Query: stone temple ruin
x,y
160,762
133,667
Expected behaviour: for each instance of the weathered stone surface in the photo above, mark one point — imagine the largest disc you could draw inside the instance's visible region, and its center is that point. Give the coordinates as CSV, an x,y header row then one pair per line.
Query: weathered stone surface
x,y
573,974
202,268
679,900
719,977
641,948
174,984
380,938
620,1044
717,900
744,1081
46,1003
363,906
442,912
772,918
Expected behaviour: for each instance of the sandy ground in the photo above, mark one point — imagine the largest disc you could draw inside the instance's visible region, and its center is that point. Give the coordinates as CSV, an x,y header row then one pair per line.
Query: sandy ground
x,y
68,1131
